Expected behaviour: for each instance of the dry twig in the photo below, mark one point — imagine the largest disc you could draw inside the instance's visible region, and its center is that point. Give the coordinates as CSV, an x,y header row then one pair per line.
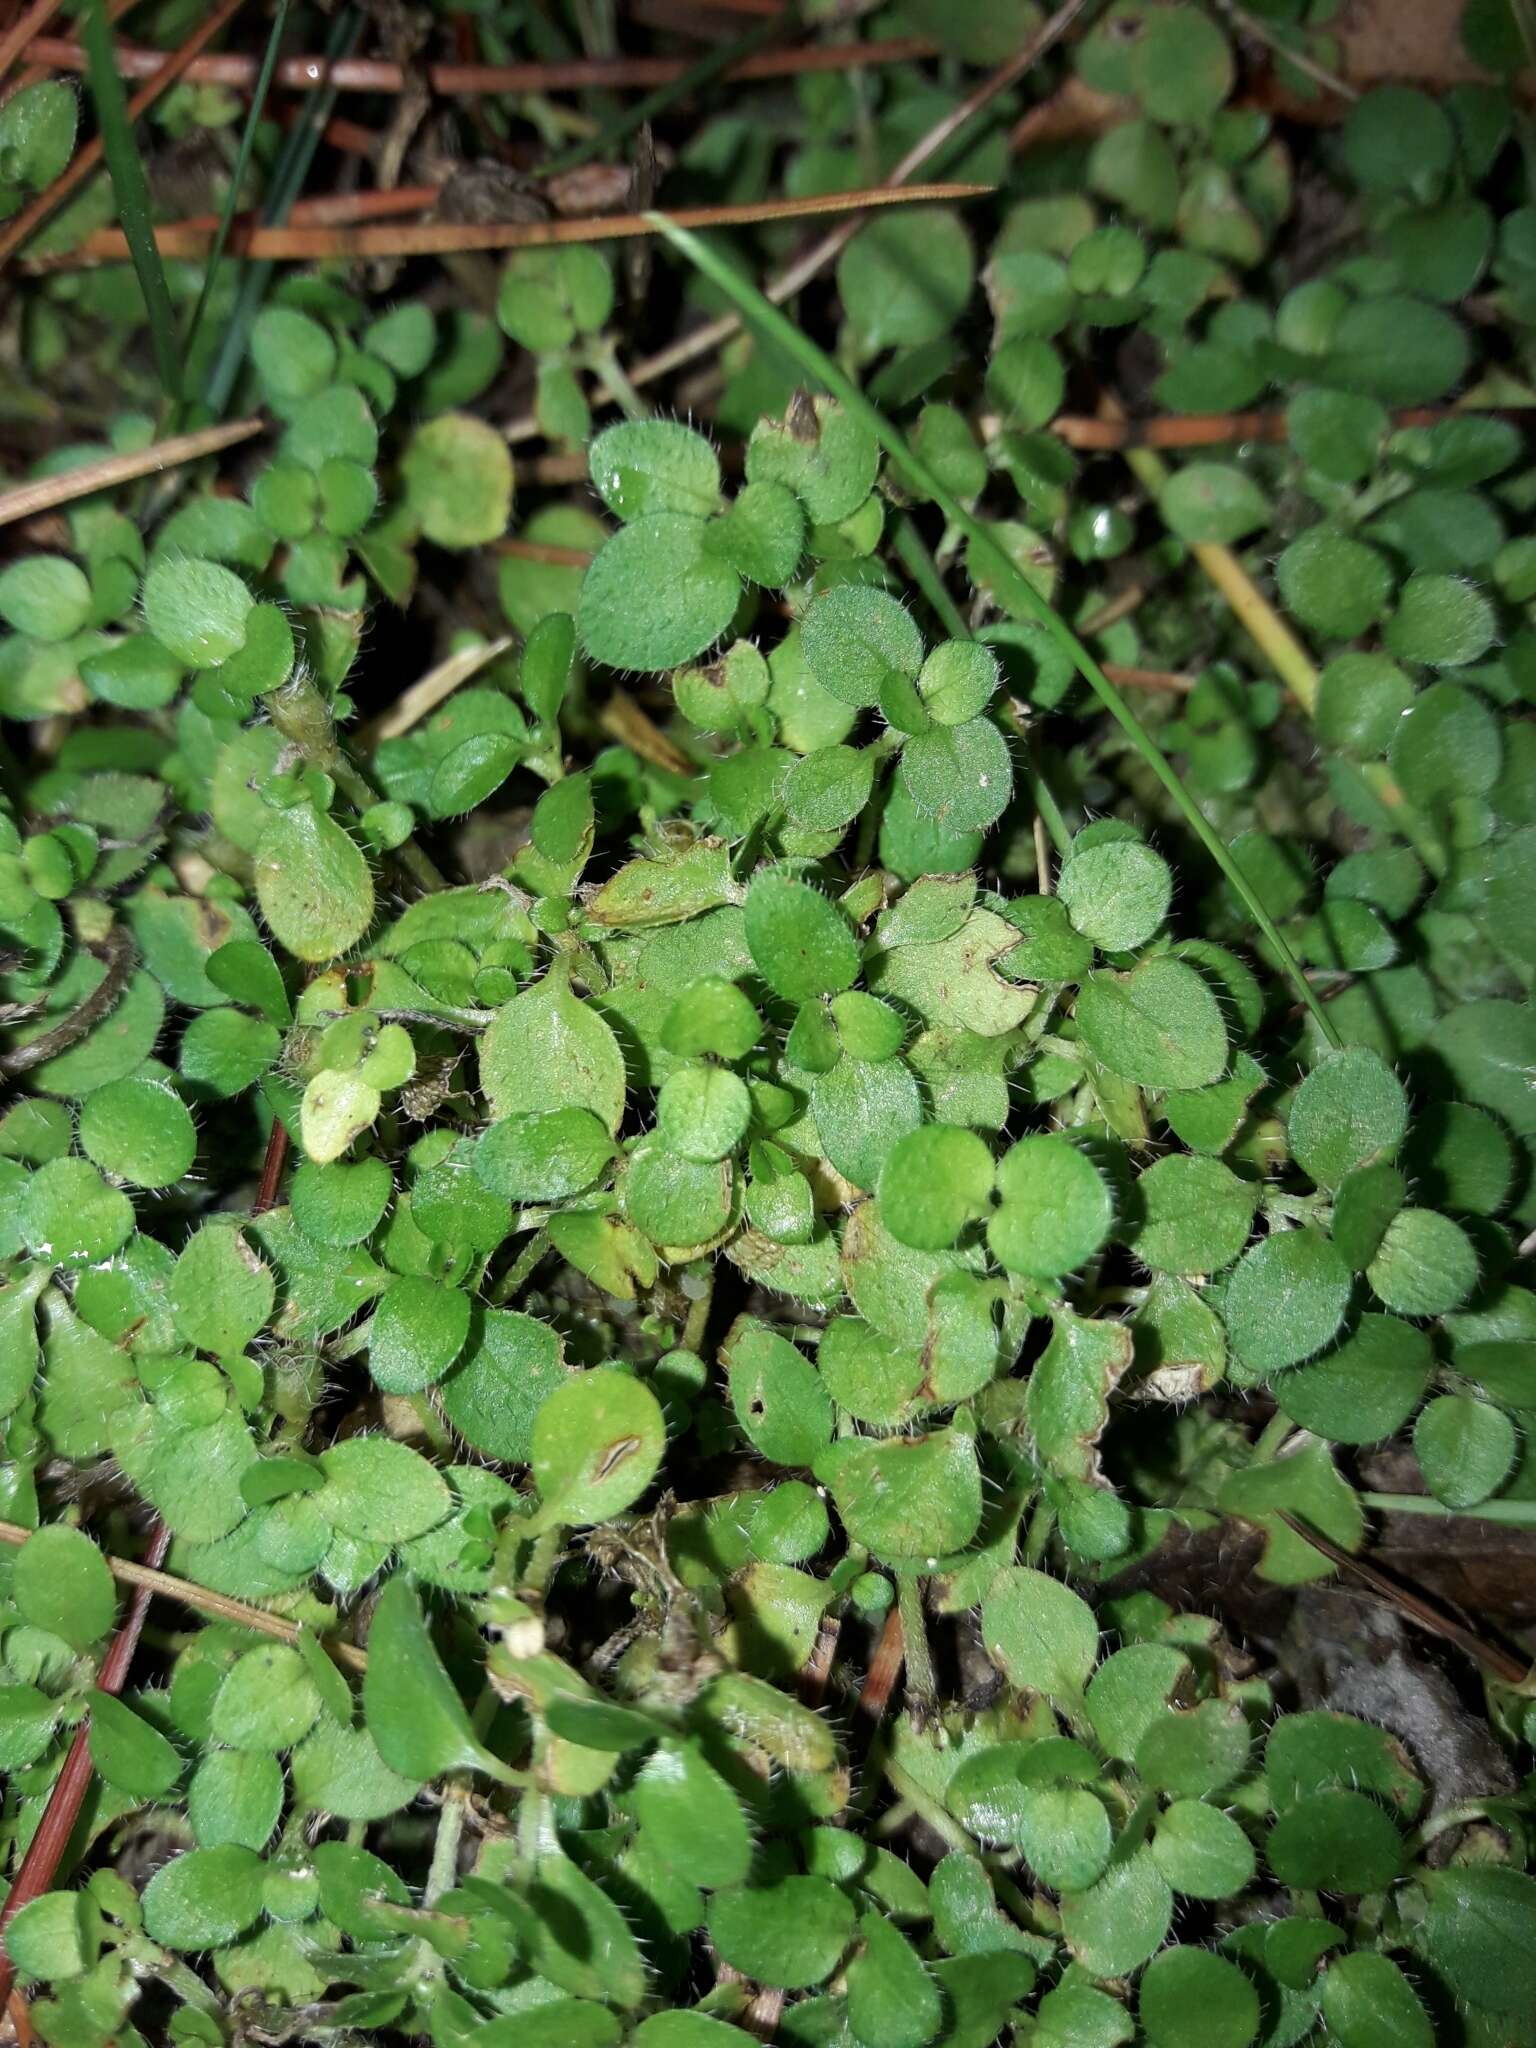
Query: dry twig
x,y
378,75
25,501
315,244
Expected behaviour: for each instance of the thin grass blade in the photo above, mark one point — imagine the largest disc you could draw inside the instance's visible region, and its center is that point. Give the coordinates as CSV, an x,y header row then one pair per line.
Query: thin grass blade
x,y
289,174
131,188
237,175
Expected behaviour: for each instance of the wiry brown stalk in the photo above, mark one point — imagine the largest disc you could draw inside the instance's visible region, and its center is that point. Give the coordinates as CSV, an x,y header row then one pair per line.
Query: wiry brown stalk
x,y
884,1668
25,501
116,954
379,75
272,1165
1148,678
47,1846
110,245
147,1579
451,238
36,73
45,1851
1213,429
1493,1657
816,1671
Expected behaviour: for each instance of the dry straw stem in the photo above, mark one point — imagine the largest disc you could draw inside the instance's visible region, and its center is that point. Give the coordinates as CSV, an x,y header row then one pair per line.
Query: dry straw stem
x,y
1258,617
36,73
424,696
1493,1657
1249,25
1215,429
87,158
316,244
109,245
46,1849
25,501
378,75
797,275
1148,678
150,1580
625,721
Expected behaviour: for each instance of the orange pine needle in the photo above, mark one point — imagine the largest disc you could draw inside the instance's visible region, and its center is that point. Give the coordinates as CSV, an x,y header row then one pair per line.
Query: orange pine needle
x,y
314,244
377,74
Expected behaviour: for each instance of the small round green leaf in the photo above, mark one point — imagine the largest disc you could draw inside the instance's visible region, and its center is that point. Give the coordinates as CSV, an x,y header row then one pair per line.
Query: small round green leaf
x,y
800,943
204,1898
1286,1299
597,1442
934,1181
1039,1633
138,1131
313,884
1189,1998
196,610
791,1934
1054,1207
60,1582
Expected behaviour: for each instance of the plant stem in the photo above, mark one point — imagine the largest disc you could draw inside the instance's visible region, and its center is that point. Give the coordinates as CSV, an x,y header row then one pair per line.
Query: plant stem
x,y
1268,1443
912,553
922,1684
43,494
884,1667
1413,1606
116,952
237,173
1258,617
288,176
149,1579
697,1320
1513,1514
725,56
308,73
45,1851
444,1867
928,1809
601,355
165,72
1285,654
516,1275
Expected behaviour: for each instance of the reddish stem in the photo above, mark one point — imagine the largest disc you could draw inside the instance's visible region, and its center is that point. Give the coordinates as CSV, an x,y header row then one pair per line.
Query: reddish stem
x,y
884,1668
378,74
272,1168
46,1849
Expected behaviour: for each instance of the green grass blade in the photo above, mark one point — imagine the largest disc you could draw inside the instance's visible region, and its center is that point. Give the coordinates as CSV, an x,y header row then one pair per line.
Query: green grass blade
x,y
288,177
131,189
1019,594
237,175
